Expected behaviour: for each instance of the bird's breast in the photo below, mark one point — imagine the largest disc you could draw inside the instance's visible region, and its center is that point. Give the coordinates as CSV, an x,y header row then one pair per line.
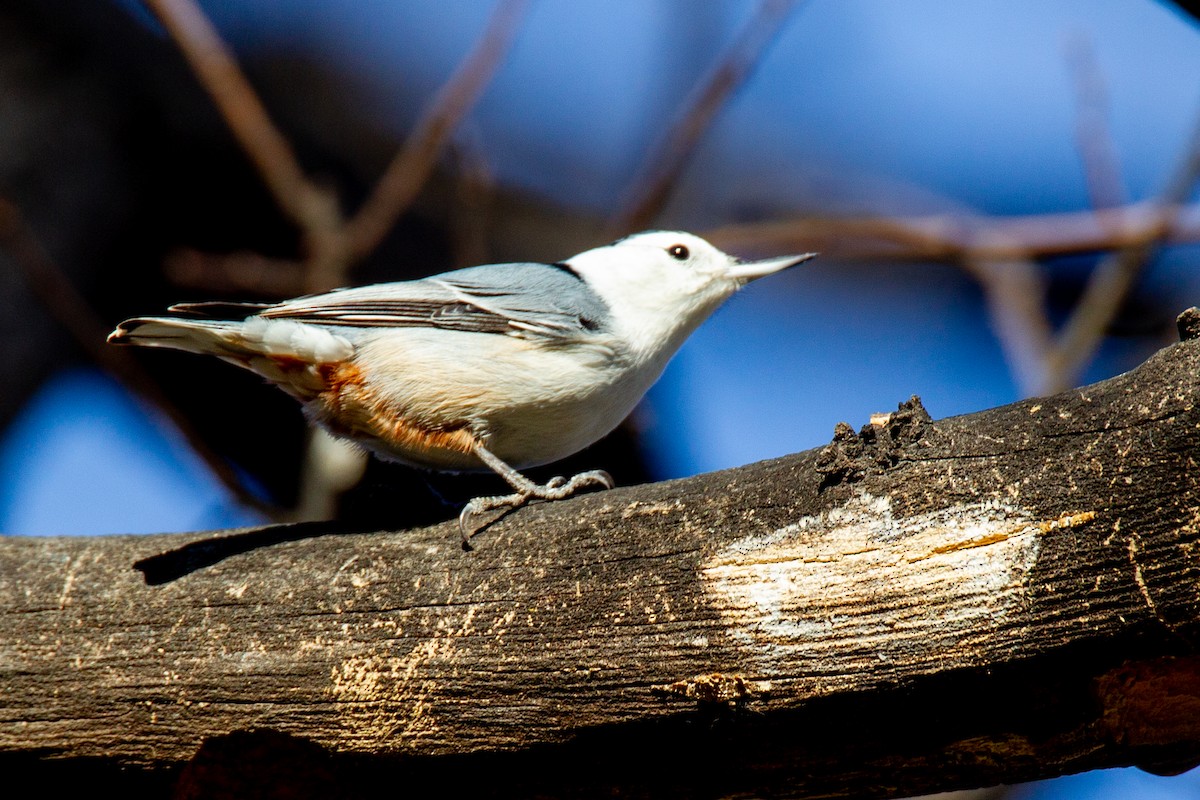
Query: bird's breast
x,y
426,398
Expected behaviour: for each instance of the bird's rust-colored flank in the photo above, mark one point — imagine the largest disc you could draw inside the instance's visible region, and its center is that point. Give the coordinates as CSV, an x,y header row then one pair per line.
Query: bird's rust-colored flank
x,y
341,377
347,405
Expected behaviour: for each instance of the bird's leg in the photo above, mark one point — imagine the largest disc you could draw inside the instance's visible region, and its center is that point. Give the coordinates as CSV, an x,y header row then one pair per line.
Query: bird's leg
x,y
526,491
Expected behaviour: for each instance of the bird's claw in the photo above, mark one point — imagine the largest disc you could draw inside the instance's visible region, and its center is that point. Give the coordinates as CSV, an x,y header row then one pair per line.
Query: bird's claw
x,y
557,488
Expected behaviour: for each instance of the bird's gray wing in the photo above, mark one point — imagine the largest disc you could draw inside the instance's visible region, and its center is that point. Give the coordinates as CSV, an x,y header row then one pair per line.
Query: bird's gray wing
x,y
545,302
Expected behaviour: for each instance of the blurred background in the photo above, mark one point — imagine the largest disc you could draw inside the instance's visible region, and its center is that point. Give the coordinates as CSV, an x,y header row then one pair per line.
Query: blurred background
x,y
1001,193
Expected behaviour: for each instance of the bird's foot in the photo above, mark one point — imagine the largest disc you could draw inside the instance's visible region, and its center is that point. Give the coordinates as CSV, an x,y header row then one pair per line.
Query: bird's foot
x,y
557,488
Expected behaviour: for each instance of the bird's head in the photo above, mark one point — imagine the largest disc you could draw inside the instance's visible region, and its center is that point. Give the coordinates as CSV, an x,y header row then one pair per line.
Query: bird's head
x,y
660,285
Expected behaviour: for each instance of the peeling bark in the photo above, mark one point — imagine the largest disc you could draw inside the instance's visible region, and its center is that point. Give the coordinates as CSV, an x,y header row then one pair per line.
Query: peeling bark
x,y
920,606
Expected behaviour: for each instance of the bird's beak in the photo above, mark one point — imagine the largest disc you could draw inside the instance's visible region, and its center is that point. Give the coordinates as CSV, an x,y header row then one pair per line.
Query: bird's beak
x,y
745,271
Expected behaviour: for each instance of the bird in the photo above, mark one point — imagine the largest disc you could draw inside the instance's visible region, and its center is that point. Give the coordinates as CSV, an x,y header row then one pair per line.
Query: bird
x,y
499,366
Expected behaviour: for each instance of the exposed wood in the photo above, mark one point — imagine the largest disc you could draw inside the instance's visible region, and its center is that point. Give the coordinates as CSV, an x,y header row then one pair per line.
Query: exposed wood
x,y
920,606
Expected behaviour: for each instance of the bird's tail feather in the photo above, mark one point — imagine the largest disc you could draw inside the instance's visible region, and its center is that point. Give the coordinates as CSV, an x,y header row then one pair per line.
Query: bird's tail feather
x,y
208,337
244,342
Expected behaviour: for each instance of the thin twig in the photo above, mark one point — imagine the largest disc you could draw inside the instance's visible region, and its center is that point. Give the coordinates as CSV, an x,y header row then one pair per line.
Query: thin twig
x,y
307,205
1115,275
1093,138
951,238
1015,287
72,311
933,238
239,273
413,165
473,193
1014,290
649,190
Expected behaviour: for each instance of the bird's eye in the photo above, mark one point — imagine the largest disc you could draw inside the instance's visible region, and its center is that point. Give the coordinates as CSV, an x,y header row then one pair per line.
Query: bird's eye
x,y
678,251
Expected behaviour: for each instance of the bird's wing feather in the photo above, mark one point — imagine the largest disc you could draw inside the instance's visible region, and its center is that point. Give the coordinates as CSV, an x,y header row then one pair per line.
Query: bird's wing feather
x,y
535,301
218,309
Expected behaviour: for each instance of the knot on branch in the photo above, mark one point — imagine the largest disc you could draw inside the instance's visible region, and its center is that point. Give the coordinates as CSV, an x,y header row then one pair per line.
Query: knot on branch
x,y
1188,324
876,448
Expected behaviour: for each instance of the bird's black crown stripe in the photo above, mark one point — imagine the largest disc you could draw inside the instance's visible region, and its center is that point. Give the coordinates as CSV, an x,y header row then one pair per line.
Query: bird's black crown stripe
x,y
567,268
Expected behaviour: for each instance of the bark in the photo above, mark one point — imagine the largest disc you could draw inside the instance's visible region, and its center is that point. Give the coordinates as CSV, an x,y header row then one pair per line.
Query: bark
x,y
920,606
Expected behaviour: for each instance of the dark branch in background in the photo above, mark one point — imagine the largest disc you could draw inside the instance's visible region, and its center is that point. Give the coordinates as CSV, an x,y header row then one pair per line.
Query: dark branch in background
x,y
331,245
68,307
939,238
313,209
474,189
413,165
241,273
1116,273
648,192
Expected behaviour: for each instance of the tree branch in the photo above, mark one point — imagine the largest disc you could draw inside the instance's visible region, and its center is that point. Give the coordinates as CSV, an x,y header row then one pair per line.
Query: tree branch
x,y
412,166
1116,273
1015,293
956,238
71,310
921,606
648,191
1093,138
311,208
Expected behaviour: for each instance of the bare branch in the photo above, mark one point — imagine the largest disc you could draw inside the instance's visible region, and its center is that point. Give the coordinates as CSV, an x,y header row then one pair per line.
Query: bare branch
x,y
1015,291
473,193
242,272
648,192
73,312
310,207
1093,138
413,165
1115,275
952,238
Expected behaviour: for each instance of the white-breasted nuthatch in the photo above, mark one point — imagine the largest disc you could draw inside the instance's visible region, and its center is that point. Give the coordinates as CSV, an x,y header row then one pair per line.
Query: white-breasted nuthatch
x,y
499,366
